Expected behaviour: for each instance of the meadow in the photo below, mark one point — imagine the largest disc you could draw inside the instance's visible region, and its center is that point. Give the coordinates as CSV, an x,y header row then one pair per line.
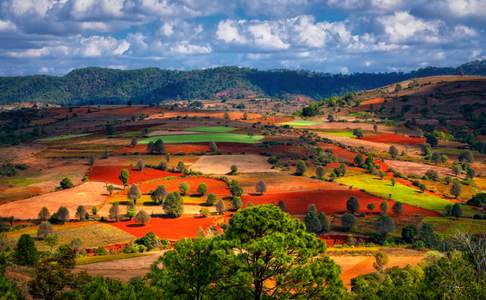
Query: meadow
x,y
204,138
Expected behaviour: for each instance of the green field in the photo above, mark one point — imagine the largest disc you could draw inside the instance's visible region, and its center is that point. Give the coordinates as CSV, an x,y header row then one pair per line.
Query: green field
x,y
399,192
211,129
449,226
86,260
301,123
204,138
342,133
62,137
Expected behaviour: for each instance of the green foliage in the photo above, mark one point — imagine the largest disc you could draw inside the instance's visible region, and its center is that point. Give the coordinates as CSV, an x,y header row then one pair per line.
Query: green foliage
x,y
26,253
456,188
352,204
220,208
202,189
142,217
183,188
211,199
236,203
348,221
124,175
311,219
384,225
134,193
324,220
300,168
478,200
173,205
149,241
235,188
261,187
158,195
393,151
409,233
358,132
66,183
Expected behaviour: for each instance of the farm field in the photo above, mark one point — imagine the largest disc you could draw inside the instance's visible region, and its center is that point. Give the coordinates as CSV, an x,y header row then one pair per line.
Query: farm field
x,y
221,164
202,138
302,123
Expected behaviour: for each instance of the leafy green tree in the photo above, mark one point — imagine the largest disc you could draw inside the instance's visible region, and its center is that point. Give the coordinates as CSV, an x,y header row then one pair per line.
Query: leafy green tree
x,y
51,240
183,188
124,175
397,208
50,279
202,189
81,213
456,188
26,253
381,260
456,168
358,132
44,214
220,209
158,195
432,140
62,214
159,147
140,165
173,205
466,156
409,233
300,168
181,167
358,160
114,212
384,225
352,205
348,221
261,187
235,188
393,151
134,193
110,188
66,183
324,220
142,217
44,229
233,170
282,206
213,147
456,210
211,199
236,203
320,172
311,219
269,245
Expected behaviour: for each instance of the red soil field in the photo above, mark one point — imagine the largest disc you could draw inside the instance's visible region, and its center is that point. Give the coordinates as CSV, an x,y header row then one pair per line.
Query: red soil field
x,y
171,229
390,138
339,152
329,201
372,101
171,148
215,186
109,174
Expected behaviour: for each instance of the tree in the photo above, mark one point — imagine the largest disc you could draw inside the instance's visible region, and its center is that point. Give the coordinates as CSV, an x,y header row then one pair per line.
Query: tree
x,y
66,183
26,253
456,167
300,168
233,170
183,188
62,214
110,188
282,206
426,151
51,240
432,175
352,205
383,207
158,147
384,225
134,193
397,208
456,188
409,233
381,259
142,217
130,209
81,213
181,167
204,212
50,279
94,210
213,147
202,189
124,175
211,199
320,172
340,170
140,165
324,220
311,219
235,188
348,221
158,195
375,128
173,205
393,151
220,209
269,245
114,213
236,203
261,187
358,160
456,210
44,214
393,181
358,132
466,156
44,229
370,206
133,142
432,140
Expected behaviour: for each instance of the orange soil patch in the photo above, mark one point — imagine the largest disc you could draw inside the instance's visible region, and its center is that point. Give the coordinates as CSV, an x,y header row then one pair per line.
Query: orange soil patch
x,y
170,148
171,229
329,201
407,168
372,101
88,194
390,138
340,153
215,186
281,183
109,174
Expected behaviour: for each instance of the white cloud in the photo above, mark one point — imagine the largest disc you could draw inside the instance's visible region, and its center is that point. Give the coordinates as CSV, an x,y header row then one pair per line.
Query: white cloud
x,y
95,46
188,49
266,35
402,27
7,25
228,32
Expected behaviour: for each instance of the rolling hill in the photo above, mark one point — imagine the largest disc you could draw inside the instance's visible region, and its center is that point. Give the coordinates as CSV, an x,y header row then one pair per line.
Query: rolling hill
x,y
101,85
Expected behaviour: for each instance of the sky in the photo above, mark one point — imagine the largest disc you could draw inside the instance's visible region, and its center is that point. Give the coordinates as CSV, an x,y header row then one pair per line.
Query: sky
x,y
336,36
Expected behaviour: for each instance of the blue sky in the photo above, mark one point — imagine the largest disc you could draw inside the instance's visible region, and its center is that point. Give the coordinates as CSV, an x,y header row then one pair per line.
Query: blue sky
x,y
56,36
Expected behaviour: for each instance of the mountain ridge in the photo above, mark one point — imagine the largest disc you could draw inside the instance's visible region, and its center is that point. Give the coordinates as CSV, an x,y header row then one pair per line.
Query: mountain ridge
x,y
104,85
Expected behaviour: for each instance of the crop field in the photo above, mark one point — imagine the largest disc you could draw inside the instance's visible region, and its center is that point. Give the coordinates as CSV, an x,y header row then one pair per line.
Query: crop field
x,y
211,129
221,164
204,138
344,133
62,137
302,123
450,226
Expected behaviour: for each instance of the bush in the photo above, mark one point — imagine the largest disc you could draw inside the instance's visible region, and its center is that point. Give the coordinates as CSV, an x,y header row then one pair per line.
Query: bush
x,y
220,209
236,203
478,200
202,189
348,221
183,188
101,251
300,168
142,217
26,253
65,183
211,199
432,175
149,241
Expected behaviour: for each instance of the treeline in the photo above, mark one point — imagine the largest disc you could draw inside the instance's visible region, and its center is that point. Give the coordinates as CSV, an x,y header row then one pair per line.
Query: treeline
x,y
105,86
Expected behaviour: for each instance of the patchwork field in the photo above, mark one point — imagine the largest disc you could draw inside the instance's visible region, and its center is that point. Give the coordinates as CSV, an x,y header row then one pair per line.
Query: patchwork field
x,y
221,164
201,138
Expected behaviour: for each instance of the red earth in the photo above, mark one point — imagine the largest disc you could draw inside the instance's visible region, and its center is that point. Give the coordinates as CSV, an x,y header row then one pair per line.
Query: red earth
x,y
171,228
339,152
215,186
329,201
390,138
170,148
109,174
372,101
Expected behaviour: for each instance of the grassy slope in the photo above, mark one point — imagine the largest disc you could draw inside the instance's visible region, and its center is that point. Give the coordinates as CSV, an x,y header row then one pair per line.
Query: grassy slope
x,y
201,138
342,133
301,123
85,260
399,192
62,137
211,129
449,226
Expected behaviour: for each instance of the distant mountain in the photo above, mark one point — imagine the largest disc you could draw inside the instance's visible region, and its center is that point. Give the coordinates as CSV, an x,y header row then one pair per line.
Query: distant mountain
x,y
101,85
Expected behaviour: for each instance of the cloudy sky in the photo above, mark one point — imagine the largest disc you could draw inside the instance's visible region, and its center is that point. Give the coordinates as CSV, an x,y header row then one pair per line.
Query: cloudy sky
x,y
56,36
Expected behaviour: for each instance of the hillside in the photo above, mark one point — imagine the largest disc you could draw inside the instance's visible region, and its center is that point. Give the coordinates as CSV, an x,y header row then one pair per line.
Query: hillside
x,y
100,85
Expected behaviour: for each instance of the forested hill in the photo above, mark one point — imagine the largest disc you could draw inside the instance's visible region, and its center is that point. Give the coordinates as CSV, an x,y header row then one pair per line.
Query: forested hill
x,y
100,85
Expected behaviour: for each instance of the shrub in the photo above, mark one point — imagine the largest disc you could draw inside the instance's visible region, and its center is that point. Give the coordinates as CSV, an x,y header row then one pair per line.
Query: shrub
x,y
300,168
456,210
140,165
134,193
220,209
456,188
65,183
393,151
478,200
348,221
320,172
202,189
142,217
261,187
397,208
183,188
204,212
233,169
432,175
211,199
